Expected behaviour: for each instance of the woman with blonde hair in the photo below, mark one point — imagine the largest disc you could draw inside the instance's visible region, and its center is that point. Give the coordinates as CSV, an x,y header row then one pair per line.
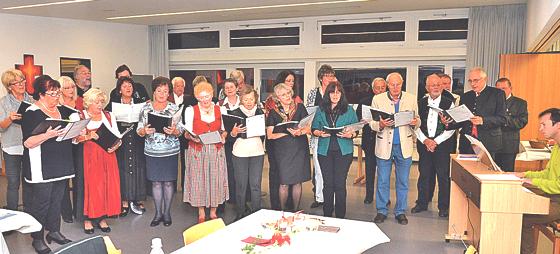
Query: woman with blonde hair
x,y
206,182
101,181
10,127
69,95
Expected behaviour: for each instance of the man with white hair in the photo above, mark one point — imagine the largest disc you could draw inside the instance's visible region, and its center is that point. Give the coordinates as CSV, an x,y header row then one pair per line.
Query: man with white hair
x,y
82,77
178,90
488,104
393,144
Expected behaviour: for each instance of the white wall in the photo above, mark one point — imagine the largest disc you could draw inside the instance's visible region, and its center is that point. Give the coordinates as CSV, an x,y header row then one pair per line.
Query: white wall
x,y
540,15
108,45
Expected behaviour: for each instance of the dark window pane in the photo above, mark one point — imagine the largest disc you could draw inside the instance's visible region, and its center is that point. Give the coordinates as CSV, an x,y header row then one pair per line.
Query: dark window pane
x,y
443,29
443,24
352,80
194,40
277,41
458,85
363,32
264,37
441,36
358,38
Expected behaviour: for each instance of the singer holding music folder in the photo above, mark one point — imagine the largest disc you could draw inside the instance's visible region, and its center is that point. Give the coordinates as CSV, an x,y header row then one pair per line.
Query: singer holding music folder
x,y
206,183
101,196
47,163
291,149
335,150
161,150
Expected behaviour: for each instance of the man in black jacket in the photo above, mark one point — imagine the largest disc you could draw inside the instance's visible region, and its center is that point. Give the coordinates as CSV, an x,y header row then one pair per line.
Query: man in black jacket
x,y
368,139
488,104
434,148
516,119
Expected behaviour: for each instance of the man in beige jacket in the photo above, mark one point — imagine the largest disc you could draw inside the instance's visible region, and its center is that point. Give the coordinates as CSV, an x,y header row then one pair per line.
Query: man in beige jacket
x,y
393,144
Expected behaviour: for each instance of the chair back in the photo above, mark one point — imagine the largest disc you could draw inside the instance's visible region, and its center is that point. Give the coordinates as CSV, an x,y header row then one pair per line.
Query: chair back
x,y
92,245
201,230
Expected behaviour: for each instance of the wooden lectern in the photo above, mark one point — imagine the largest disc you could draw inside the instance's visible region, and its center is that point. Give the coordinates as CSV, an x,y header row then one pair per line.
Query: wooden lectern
x,y
488,212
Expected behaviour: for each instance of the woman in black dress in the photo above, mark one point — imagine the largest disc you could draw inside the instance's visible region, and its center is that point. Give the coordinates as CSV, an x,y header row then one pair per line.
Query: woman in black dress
x,y
291,149
130,156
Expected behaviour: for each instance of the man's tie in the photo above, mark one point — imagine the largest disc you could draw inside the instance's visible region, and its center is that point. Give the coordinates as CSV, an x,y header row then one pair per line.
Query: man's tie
x,y
474,131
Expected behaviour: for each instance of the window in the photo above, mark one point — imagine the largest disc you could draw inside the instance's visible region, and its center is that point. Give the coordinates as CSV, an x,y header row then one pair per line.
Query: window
x,y
458,76
363,32
443,29
194,40
214,77
268,81
264,37
423,72
353,79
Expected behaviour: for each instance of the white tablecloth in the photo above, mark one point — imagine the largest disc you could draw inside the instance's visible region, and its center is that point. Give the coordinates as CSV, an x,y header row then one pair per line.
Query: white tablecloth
x,y
13,220
353,237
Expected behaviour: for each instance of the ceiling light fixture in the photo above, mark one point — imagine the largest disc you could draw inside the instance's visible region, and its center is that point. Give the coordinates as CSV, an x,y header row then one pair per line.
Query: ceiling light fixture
x,y
46,4
236,9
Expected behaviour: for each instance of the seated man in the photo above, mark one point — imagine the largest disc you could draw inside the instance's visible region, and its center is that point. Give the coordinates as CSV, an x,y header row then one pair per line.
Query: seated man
x,y
547,180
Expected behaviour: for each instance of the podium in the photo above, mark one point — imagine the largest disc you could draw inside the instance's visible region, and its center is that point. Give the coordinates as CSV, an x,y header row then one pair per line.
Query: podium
x,y
488,213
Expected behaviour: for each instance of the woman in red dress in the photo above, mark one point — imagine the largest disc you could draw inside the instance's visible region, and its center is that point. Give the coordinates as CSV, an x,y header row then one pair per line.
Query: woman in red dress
x,y
102,195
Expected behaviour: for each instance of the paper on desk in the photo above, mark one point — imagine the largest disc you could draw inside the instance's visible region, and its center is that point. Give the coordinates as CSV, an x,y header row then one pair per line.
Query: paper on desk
x,y
498,177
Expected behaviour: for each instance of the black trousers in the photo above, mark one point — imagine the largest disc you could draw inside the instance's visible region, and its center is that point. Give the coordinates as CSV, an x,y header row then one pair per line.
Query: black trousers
x,y
371,168
334,168
67,211
429,164
231,176
273,177
45,206
506,161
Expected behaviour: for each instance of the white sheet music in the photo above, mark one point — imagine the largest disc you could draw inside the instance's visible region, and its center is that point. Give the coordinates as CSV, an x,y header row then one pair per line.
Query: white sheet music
x,y
306,121
73,129
403,118
366,113
460,113
255,126
481,150
129,113
210,138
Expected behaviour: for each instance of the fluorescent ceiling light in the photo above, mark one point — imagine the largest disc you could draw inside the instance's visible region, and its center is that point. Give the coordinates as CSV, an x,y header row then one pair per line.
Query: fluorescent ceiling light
x,y
46,4
236,9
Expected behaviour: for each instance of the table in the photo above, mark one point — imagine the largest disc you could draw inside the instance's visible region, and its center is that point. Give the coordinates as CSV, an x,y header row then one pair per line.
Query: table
x,y
353,237
528,156
13,220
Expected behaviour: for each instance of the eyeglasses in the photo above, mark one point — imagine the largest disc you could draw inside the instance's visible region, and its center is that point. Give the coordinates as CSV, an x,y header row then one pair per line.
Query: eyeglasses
x,y
474,80
53,93
204,97
18,83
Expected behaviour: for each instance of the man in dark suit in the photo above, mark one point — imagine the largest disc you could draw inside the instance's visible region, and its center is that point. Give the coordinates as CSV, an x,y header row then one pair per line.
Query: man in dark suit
x,y
434,148
516,119
488,104
368,139
140,92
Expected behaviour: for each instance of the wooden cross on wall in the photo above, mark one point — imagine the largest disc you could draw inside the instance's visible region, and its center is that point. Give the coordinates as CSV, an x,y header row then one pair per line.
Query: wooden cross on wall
x,y
30,71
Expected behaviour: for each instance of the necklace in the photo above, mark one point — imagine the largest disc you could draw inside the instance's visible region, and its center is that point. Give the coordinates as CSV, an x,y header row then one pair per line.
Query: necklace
x,y
206,111
47,109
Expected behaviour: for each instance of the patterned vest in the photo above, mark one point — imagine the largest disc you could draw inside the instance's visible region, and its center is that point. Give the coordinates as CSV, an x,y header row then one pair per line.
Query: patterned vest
x,y
201,127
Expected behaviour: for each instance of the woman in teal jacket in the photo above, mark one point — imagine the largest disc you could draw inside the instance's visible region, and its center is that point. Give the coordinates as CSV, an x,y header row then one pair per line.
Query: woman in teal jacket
x,y
335,147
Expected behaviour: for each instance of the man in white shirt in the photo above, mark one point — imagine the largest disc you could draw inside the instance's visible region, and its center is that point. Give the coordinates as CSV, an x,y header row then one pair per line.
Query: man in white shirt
x,y
434,148
178,90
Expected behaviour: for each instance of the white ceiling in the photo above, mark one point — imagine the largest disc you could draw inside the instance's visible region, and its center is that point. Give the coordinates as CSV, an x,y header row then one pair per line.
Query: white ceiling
x,y
100,10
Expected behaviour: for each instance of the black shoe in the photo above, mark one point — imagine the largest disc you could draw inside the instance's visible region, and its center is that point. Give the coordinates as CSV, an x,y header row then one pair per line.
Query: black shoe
x,y
368,200
418,208
167,223
401,219
141,206
316,204
57,237
40,247
443,213
106,229
379,218
89,231
124,211
155,222
134,208
68,220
